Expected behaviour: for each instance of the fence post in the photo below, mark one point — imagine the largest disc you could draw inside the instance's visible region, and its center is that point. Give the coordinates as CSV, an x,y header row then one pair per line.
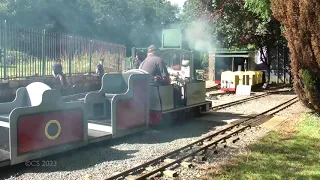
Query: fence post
x,y
119,60
125,58
90,55
70,56
1,57
5,50
133,56
43,53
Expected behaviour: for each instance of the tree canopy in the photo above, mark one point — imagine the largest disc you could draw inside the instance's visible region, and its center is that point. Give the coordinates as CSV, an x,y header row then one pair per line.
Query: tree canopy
x,y
238,23
128,22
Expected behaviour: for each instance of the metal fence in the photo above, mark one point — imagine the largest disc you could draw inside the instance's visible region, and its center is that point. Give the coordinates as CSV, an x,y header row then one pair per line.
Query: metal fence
x,y
27,52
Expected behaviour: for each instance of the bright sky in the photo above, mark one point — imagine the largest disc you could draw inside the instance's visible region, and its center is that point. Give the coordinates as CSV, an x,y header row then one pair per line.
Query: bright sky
x,y
178,2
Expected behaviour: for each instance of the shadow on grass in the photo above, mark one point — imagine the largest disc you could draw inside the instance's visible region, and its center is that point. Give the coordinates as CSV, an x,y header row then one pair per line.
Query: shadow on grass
x,y
279,157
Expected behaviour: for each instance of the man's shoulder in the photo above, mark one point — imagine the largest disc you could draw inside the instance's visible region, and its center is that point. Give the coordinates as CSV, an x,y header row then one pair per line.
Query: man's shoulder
x,y
156,59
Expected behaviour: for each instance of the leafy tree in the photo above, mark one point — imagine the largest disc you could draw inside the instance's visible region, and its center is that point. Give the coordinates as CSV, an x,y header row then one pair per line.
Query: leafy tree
x,y
239,24
260,7
301,21
150,17
129,22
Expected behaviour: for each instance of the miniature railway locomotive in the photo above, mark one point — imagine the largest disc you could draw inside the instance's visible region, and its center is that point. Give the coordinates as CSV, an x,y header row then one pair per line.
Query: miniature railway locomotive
x,y
223,60
184,94
230,80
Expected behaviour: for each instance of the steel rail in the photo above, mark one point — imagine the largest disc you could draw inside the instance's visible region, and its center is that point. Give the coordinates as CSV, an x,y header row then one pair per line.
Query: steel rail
x,y
208,138
82,95
222,106
271,115
214,143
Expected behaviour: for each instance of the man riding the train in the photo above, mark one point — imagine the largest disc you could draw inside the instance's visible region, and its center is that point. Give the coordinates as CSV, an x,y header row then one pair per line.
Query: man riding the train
x,y
155,66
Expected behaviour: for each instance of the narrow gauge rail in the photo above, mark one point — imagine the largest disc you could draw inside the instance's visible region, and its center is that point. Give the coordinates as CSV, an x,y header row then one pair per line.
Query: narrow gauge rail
x,y
218,107
140,172
82,95
233,103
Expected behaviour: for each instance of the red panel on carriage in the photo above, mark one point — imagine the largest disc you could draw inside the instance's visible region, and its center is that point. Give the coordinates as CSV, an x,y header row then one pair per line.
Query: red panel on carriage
x,y
228,89
131,112
43,130
155,117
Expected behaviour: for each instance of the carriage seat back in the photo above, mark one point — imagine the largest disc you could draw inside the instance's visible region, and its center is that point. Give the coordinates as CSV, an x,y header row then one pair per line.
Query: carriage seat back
x,y
114,84
34,93
118,83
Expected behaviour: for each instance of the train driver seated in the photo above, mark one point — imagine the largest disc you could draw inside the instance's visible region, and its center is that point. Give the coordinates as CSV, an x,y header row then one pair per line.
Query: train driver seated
x,y
156,67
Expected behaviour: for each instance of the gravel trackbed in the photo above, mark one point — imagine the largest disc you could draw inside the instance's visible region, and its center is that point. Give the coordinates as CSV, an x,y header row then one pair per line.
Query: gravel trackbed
x,y
102,160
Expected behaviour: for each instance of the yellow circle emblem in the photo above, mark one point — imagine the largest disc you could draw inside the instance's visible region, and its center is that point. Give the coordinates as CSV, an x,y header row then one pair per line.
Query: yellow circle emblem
x,y
58,131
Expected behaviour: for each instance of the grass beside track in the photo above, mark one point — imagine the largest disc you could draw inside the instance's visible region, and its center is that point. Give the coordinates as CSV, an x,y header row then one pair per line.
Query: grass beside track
x,y
287,154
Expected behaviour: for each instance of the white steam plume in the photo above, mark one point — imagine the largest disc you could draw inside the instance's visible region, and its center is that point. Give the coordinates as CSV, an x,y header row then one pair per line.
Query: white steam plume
x,y
199,37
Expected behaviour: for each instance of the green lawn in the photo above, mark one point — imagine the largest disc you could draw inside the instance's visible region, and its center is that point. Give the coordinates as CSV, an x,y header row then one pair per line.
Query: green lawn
x,y
280,155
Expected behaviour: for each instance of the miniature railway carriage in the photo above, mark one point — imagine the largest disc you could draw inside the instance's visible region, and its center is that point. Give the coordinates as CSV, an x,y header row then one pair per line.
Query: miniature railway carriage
x,y
41,122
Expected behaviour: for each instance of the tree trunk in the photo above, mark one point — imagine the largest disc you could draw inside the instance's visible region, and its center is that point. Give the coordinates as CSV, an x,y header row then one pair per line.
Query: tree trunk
x,y
301,19
268,73
268,63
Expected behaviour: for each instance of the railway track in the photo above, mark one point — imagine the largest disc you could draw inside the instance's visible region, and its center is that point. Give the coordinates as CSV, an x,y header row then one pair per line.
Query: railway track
x,y
82,95
183,155
233,103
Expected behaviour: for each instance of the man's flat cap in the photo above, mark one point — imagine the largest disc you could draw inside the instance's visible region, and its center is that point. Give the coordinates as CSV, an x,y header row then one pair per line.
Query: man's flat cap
x,y
152,48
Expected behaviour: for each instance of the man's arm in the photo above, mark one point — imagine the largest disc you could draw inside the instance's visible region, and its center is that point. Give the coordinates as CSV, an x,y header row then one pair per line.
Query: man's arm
x,y
53,74
140,66
164,72
54,69
97,69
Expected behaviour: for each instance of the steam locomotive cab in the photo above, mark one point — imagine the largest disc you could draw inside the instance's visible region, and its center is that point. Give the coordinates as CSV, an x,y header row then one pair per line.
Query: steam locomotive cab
x,y
184,95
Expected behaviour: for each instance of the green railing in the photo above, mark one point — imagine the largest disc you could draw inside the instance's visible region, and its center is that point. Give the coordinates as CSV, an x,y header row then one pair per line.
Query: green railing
x,y
29,52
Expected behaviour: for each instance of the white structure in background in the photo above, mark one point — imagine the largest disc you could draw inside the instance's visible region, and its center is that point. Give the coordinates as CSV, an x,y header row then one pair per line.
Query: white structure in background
x,y
258,55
